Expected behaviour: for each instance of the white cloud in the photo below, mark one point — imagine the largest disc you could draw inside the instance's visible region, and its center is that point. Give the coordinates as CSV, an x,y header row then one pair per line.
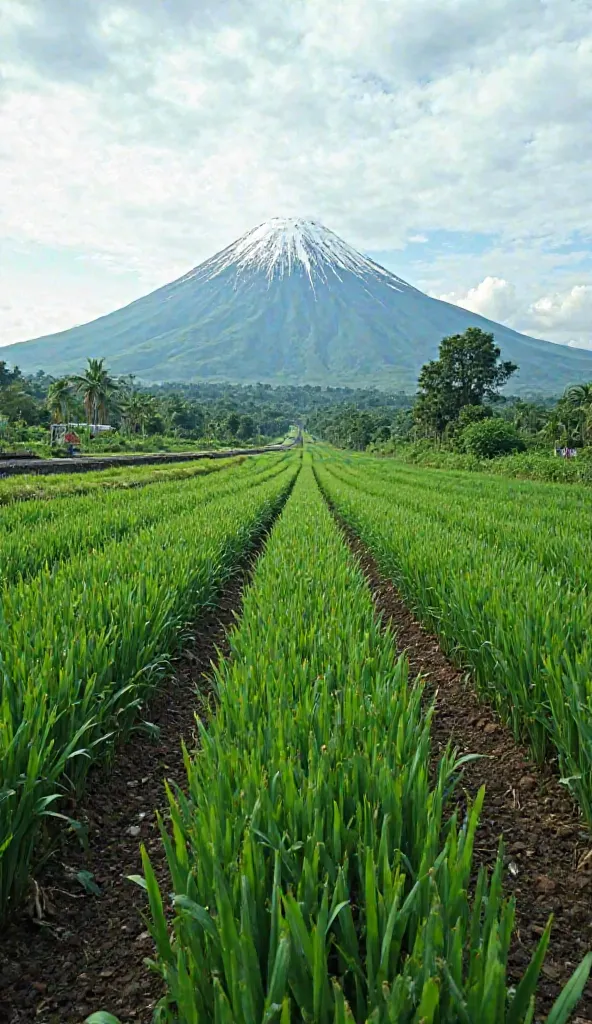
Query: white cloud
x,y
37,303
571,311
493,298
584,341
567,316
564,317
152,135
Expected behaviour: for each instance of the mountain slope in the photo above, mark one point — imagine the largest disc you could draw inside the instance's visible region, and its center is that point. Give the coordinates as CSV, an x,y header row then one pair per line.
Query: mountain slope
x,y
290,302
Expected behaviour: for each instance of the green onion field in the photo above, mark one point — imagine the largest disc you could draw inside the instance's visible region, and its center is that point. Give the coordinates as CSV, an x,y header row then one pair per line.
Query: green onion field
x,y
321,858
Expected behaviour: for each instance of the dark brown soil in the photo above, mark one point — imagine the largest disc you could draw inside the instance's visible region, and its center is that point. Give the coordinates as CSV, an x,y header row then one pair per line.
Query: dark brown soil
x,y
86,953
548,846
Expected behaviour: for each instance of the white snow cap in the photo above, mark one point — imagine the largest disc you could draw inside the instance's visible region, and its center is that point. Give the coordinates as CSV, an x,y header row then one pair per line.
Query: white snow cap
x,y
283,245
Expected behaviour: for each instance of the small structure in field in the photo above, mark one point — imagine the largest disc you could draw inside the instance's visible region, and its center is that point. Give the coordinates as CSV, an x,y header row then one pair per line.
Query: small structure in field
x,y
61,433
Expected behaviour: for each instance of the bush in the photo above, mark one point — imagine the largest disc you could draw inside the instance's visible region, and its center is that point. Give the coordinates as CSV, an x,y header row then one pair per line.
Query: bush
x,y
470,414
489,438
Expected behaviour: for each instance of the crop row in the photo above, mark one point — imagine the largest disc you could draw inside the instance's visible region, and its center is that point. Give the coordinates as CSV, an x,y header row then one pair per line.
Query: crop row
x,y
40,534
506,585
84,642
316,874
537,522
32,485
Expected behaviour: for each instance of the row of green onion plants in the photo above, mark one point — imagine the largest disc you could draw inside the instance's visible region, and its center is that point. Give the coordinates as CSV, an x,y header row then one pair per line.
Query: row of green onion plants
x,y
545,523
27,486
84,642
317,871
504,582
38,534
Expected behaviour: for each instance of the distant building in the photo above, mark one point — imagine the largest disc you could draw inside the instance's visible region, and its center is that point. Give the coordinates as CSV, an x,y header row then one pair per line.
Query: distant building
x,y
59,432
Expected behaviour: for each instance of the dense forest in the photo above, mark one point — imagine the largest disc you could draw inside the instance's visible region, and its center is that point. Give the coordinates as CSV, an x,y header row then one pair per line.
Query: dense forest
x,y
462,405
143,416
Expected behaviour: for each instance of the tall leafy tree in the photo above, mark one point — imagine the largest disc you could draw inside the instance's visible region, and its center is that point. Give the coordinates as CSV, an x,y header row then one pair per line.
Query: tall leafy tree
x,y
531,417
17,405
97,388
6,375
557,428
233,424
467,372
183,416
247,427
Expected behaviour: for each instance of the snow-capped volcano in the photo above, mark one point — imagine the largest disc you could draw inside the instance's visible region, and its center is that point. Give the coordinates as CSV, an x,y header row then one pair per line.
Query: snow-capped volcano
x,y
286,245
290,303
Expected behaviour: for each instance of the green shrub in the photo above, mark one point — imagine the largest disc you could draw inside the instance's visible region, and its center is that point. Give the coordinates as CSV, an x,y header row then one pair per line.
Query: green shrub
x,y
489,438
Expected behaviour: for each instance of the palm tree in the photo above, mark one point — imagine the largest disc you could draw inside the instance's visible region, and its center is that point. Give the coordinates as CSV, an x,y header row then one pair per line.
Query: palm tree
x,y
530,417
135,409
578,401
97,387
59,397
556,429
145,411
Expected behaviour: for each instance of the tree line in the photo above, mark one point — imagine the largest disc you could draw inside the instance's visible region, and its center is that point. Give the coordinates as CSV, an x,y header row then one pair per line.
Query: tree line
x,y
459,404
187,411
96,396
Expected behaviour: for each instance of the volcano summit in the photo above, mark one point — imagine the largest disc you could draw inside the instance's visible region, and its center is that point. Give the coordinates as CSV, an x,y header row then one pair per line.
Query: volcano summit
x,y
290,303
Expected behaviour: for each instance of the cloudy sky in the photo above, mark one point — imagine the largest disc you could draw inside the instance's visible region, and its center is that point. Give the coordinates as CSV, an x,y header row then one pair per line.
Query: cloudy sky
x,y
449,139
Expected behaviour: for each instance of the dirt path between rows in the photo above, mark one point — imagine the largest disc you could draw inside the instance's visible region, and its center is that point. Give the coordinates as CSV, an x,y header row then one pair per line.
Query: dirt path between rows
x,y
548,846
88,952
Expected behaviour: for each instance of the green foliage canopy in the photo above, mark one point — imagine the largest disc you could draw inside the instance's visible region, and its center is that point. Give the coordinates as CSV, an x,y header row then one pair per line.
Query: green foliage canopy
x,y
467,372
491,437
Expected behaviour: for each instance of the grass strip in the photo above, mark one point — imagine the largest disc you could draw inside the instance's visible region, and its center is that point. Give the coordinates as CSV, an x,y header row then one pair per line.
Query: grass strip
x,y
544,523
